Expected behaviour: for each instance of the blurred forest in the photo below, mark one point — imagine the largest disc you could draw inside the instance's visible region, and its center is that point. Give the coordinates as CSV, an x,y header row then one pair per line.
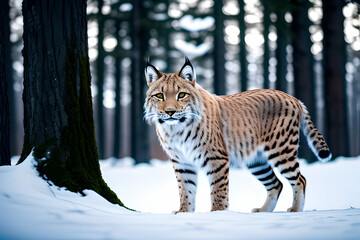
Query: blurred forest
x,y
307,48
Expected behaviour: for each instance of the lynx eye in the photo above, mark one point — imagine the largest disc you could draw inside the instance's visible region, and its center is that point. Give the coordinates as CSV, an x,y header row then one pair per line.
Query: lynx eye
x,y
159,96
181,95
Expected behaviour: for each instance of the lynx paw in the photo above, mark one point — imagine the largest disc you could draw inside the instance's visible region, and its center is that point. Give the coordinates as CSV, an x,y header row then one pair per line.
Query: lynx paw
x,y
256,210
261,210
293,210
179,211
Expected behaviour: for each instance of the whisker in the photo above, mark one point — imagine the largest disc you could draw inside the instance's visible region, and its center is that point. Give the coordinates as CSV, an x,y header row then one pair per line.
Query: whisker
x,y
149,116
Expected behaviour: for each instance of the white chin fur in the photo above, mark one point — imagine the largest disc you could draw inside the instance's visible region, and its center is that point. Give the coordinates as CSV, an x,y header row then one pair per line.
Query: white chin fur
x,y
173,122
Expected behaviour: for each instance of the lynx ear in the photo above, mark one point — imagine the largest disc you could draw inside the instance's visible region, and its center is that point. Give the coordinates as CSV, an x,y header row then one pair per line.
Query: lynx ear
x,y
187,71
151,73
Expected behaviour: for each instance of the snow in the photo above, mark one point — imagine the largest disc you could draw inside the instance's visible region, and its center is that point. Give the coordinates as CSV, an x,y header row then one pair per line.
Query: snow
x,y
192,24
32,209
191,50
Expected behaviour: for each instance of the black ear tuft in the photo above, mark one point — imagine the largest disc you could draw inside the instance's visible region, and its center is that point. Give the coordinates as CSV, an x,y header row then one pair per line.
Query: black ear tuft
x,y
151,72
187,71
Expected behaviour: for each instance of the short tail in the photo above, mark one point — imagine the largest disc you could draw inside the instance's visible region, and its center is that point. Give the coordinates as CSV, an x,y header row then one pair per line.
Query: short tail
x,y
314,138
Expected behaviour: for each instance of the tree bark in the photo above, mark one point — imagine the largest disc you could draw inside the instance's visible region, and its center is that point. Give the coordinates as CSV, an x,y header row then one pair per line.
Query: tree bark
x,y
4,103
303,69
219,50
334,78
139,134
58,114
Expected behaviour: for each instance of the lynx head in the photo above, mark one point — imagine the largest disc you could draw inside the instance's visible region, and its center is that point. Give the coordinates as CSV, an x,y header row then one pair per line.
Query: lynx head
x,y
172,98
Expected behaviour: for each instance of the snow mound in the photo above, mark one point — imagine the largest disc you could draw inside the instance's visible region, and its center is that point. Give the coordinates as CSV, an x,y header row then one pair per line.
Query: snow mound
x,y
32,209
329,186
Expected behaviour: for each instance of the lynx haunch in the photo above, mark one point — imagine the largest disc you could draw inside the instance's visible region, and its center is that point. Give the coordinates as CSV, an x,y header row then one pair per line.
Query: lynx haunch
x,y
258,129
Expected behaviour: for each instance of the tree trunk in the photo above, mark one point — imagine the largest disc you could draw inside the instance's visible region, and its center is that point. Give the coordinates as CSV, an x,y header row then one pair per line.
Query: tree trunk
x,y
303,69
266,55
334,78
118,107
219,50
243,61
139,134
356,95
281,66
100,84
58,114
4,103
14,112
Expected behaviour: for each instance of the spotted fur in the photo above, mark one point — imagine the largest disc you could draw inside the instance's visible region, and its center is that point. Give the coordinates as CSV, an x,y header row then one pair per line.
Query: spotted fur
x,y
258,129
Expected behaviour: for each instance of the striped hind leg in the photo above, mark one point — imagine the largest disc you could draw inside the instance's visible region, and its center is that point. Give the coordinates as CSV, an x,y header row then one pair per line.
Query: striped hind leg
x,y
289,168
265,174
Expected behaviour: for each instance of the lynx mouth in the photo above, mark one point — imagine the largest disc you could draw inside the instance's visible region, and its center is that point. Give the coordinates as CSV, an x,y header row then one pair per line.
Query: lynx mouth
x,y
172,120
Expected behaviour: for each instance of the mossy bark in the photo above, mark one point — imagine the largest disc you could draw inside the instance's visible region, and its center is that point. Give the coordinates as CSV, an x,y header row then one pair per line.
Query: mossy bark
x,y
58,113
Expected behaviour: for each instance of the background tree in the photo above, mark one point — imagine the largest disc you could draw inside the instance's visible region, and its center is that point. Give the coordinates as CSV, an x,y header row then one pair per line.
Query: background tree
x,y
282,31
334,75
117,118
243,51
304,82
58,114
139,143
171,29
219,50
4,103
266,56
100,69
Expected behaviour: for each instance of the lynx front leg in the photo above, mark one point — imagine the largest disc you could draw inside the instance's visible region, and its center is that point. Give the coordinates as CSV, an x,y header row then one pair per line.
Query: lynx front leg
x,y
218,172
187,180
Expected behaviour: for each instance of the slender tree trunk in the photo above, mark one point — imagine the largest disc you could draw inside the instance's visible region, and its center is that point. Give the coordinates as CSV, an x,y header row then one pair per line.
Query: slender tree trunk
x,y
4,103
357,114
139,134
266,55
219,50
14,112
281,66
100,84
58,114
118,107
166,38
303,69
243,61
334,77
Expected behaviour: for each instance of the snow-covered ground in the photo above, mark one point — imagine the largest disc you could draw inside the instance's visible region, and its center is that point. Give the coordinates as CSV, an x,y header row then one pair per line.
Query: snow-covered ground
x,y
31,209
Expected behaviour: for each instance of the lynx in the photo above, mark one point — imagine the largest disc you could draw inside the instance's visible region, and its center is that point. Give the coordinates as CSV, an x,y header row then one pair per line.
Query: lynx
x,y
258,129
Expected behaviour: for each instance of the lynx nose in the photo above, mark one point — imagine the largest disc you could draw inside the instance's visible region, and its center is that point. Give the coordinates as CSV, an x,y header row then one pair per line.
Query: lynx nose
x,y
170,112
